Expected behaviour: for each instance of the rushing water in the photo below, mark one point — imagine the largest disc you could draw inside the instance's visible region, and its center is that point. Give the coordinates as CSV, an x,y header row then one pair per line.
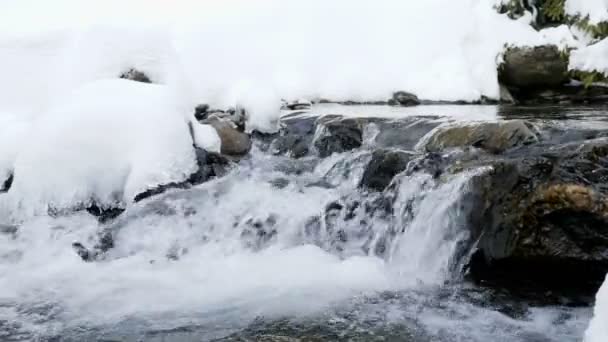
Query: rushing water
x,y
276,247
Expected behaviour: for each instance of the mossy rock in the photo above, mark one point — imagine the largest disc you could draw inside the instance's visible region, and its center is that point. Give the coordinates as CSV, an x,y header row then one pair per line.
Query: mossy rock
x,y
534,67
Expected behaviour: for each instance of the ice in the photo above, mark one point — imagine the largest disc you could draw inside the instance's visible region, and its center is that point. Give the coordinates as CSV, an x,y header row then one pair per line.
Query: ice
x,y
107,141
598,328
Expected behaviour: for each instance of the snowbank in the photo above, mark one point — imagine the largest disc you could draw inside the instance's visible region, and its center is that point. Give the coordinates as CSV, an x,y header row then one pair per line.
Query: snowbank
x,y
344,50
598,328
107,141
596,10
224,53
591,58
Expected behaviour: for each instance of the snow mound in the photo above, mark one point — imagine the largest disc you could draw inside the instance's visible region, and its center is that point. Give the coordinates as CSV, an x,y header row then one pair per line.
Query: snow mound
x,y
106,142
596,10
598,328
591,58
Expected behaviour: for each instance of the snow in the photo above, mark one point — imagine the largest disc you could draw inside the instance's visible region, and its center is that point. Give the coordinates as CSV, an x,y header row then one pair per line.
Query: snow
x,y
206,137
223,53
107,141
598,328
596,10
591,58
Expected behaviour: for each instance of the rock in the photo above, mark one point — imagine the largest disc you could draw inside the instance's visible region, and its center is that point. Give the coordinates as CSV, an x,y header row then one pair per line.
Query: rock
x,y
384,165
234,142
565,94
336,136
201,112
505,95
403,98
402,133
533,67
7,229
541,220
296,134
299,105
135,75
210,165
494,137
104,214
6,185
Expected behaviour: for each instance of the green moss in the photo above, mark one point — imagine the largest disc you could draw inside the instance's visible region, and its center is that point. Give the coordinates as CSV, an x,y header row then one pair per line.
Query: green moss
x,y
597,31
588,77
553,10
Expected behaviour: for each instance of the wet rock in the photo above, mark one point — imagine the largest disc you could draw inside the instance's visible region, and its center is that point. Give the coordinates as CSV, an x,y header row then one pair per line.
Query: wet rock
x,y
384,165
83,252
135,75
494,137
234,141
296,134
403,98
104,214
542,220
533,67
6,185
337,136
210,165
566,94
403,133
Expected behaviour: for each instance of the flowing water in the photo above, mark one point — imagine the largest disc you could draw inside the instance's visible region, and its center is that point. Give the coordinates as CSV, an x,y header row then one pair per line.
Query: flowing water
x,y
277,247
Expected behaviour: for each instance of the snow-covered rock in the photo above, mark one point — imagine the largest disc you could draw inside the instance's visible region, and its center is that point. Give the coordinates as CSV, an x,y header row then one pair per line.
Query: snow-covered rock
x,y
591,58
106,142
596,10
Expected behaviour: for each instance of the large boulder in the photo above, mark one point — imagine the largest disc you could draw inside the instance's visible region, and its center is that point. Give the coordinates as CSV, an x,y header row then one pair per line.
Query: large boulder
x,y
403,98
533,67
541,219
494,137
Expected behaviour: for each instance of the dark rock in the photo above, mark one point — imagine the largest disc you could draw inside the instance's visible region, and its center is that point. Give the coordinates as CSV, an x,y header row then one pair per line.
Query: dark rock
x,y
336,136
297,105
104,214
533,67
542,219
494,137
135,75
8,229
296,134
403,98
565,94
8,182
201,112
83,252
234,141
384,165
